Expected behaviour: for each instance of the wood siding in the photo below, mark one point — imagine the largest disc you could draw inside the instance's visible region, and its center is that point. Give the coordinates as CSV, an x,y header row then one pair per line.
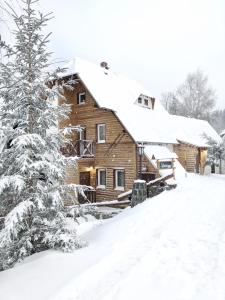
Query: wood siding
x,y
119,150
192,158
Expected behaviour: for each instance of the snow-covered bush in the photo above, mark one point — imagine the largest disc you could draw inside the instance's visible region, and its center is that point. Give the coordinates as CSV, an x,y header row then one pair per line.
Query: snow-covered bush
x,y
32,168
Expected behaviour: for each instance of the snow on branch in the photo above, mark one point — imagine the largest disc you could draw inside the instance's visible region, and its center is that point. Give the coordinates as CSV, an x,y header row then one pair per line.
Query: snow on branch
x,y
16,181
29,140
14,222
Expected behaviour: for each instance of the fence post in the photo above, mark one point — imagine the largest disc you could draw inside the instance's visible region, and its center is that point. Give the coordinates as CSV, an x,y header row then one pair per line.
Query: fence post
x,y
139,192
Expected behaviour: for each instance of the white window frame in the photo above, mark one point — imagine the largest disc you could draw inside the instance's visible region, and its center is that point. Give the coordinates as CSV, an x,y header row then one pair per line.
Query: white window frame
x,y
79,98
101,186
119,188
98,133
165,161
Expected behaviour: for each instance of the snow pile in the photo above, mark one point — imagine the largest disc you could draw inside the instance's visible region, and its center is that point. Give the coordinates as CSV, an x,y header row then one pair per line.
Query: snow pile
x,y
169,247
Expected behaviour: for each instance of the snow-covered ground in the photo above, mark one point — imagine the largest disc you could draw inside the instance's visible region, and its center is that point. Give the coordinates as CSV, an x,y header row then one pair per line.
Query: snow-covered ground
x,y
169,247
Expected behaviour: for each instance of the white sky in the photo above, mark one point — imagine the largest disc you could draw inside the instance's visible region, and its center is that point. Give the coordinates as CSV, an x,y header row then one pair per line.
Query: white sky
x,y
156,42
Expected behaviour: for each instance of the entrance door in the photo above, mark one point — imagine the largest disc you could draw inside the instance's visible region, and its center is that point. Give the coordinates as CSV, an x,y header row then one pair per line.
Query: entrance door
x,y
85,178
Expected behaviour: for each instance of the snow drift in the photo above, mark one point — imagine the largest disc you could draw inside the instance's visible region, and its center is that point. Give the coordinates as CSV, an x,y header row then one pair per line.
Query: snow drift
x,y
169,247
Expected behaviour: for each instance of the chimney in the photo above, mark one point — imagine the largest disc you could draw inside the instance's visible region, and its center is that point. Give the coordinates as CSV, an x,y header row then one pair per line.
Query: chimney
x,y
104,65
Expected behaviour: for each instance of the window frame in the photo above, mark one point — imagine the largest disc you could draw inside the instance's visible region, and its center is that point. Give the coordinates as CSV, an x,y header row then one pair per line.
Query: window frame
x,y
139,100
99,185
165,161
116,186
146,102
98,133
79,98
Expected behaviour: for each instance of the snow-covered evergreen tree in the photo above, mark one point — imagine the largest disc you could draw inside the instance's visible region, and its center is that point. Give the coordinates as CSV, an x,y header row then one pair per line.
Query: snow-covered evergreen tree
x,y
32,168
216,153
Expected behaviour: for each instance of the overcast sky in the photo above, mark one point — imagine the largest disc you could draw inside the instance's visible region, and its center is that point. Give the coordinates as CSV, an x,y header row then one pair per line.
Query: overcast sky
x,y
156,42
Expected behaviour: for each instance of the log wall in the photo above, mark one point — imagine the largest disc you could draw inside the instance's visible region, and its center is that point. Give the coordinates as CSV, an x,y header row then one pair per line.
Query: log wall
x,y
192,158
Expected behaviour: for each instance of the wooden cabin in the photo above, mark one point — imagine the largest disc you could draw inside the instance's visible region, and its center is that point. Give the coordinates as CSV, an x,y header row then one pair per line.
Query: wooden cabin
x,y
126,133
106,151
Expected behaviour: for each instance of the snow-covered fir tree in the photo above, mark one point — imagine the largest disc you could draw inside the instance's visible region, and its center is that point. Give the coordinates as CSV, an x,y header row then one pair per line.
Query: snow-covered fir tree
x,y
32,168
216,153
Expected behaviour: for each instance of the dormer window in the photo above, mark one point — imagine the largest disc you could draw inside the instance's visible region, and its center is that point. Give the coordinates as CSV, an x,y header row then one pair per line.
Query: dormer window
x,y
81,97
145,101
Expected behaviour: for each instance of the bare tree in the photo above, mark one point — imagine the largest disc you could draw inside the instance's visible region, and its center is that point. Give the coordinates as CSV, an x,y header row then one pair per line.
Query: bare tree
x,y
193,98
218,120
171,103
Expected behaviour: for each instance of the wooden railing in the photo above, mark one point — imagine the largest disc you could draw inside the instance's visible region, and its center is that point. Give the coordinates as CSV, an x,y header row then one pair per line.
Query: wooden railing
x,y
81,148
91,197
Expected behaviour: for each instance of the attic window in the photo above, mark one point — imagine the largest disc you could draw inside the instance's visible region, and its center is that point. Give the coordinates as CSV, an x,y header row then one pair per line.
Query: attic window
x,y
81,98
146,102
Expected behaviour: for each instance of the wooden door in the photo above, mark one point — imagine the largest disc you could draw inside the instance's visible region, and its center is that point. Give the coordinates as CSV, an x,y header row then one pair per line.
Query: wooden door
x,y
85,178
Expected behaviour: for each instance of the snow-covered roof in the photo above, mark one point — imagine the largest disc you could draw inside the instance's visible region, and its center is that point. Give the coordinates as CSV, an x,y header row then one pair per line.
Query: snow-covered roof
x,y
158,152
193,131
111,90
116,92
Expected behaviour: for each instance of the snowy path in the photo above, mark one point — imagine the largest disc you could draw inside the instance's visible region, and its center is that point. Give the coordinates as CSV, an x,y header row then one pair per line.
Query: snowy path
x,y
170,247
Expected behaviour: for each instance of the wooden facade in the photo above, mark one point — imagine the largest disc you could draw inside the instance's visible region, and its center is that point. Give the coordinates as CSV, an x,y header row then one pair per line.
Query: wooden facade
x,y
119,151
191,157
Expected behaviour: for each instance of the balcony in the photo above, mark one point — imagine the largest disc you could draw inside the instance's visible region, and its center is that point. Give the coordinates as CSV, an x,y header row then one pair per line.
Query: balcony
x,y
81,148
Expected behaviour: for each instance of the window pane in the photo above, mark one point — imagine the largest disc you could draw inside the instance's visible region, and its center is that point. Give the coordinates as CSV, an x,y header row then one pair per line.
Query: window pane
x,y
81,97
165,165
120,178
102,177
101,132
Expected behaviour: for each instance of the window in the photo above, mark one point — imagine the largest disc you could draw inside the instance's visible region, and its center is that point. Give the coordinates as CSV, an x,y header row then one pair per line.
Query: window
x,y
119,179
101,133
146,102
82,133
101,178
81,98
139,100
165,164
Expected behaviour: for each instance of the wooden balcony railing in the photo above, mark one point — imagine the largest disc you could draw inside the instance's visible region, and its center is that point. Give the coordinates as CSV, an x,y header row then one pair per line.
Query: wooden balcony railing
x,y
81,148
